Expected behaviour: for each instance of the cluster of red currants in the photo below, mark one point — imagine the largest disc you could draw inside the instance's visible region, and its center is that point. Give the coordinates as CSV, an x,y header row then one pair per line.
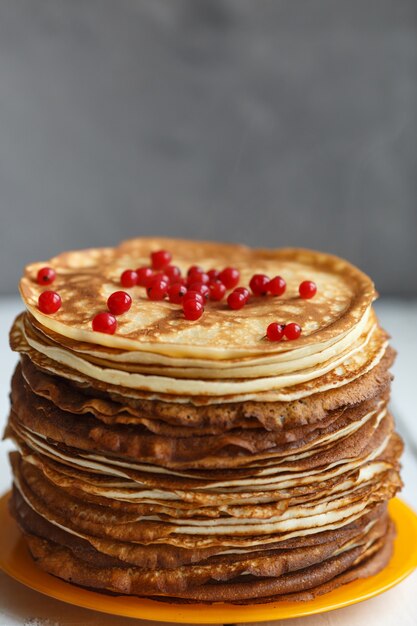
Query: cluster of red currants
x,y
162,280
50,302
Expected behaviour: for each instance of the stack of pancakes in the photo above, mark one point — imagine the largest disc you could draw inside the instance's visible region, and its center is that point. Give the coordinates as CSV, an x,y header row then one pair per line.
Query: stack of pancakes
x,y
197,461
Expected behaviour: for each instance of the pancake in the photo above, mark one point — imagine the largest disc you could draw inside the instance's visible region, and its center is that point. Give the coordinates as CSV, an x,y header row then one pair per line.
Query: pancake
x,y
225,486
42,417
158,556
86,278
357,360
198,461
268,563
269,570
145,524
112,408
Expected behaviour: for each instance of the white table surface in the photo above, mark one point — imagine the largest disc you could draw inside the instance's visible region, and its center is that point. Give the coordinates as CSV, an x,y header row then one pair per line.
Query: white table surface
x,y
397,607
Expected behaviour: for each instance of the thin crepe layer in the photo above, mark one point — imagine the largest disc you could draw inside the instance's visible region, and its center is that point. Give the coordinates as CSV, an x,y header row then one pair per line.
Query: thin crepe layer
x,y
111,552
212,419
86,278
61,562
359,358
136,442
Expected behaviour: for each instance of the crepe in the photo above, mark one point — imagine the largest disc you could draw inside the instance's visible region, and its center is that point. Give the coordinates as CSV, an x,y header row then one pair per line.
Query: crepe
x,y
197,461
365,353
86,278
227,578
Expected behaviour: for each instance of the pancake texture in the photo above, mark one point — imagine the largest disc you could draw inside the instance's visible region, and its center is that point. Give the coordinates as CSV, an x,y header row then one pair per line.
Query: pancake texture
x,y
198,461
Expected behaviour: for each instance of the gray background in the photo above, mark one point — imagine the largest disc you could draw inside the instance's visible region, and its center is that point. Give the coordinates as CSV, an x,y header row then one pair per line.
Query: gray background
x,y
264,121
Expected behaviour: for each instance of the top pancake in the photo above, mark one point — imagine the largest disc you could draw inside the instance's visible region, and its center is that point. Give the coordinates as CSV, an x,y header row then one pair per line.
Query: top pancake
x,y
86,278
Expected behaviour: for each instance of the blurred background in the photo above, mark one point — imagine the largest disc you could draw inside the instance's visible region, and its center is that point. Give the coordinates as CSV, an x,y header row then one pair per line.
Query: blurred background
x,y
269,122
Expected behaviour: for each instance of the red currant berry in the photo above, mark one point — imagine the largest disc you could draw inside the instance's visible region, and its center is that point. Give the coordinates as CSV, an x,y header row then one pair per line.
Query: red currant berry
x,y
195,269
197,277
173,272
277,286
46,276
176,293
157,289
275,331
49,302
229,277
159,276
307,289
119,302
104,323
145,275
292,331
194,295
201,288
217,290
129,278
213,274
259,284
236,300
245,292
160,259
193,309
204,278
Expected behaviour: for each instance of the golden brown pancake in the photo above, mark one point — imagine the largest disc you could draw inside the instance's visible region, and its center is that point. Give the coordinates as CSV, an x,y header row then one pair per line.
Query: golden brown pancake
x,y
355,360
112,408
159,556
279,574
44,418
86,278
264,564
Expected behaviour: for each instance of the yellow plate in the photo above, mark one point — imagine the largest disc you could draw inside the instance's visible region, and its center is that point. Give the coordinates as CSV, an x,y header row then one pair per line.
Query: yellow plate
x,y
16,561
